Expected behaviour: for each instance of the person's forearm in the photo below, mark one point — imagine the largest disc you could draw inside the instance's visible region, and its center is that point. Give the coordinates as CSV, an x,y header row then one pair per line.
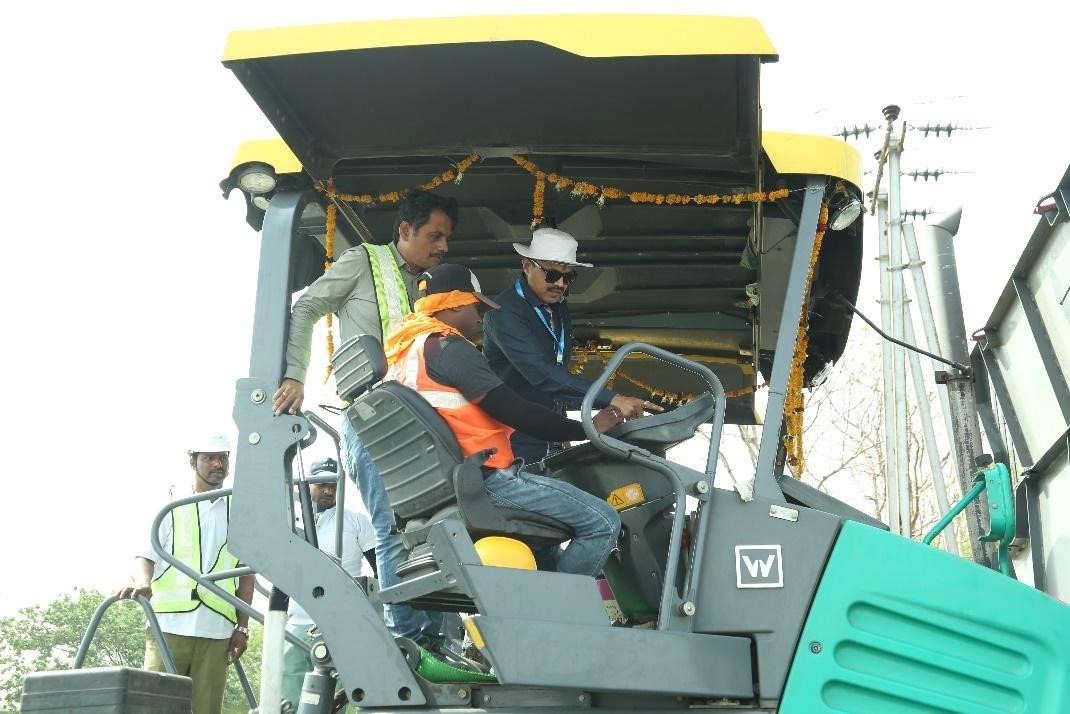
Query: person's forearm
x,y
306,313
246,586
142,572
529,418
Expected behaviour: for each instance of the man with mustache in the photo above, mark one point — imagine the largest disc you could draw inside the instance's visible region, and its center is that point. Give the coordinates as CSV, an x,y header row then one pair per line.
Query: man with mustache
x,y
203,632
369,288
528,342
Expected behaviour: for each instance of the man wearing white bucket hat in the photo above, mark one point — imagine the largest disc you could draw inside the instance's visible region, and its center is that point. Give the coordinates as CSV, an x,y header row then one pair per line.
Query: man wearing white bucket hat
x,y
528,342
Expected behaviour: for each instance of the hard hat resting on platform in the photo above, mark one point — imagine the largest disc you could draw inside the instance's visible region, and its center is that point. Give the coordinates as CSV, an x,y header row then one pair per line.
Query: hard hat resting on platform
x,y
505,552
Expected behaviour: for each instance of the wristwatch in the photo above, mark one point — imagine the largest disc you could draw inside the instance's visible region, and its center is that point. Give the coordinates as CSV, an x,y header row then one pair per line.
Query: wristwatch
x,y
242,629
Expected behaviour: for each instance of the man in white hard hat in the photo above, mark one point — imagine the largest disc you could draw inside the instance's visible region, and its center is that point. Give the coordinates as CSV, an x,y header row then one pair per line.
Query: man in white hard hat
x,y
528,342
203,632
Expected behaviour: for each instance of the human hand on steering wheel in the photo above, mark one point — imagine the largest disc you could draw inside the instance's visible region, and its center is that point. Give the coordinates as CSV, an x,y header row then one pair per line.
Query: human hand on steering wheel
x,y
607,418
633,407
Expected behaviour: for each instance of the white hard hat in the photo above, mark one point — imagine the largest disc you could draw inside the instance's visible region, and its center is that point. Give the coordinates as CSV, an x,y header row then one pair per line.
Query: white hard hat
x,y
212,443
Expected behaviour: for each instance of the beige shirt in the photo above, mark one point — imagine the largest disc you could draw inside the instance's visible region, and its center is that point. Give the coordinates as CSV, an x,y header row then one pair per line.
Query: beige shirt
x,y
347,290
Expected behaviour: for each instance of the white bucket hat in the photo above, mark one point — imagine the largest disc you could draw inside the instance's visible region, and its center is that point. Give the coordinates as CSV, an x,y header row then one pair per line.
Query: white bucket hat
x,y
553,246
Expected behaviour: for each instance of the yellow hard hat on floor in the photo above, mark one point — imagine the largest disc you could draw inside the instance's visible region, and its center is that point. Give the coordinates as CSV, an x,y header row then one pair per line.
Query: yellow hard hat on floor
x,y
503,552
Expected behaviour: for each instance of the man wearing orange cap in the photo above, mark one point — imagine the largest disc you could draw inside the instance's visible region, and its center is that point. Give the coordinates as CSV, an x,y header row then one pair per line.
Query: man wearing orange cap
x,y
431,351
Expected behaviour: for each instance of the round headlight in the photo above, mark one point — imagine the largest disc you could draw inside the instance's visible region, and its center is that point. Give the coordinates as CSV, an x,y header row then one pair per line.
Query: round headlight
x,y
257,178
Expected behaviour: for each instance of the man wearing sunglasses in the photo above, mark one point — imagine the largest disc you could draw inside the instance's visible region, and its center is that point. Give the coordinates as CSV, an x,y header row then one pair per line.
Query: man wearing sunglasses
x,y
528,342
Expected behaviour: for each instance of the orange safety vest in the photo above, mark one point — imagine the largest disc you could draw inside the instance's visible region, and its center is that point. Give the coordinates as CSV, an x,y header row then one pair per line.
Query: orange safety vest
x,y
474,428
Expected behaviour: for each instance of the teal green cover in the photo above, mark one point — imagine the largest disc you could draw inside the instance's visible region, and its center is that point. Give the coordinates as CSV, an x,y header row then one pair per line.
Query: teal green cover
x,y
898,627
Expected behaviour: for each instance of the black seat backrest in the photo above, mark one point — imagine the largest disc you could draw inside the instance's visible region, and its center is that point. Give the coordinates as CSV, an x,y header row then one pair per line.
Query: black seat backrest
x,y
358,364
411,445
418,458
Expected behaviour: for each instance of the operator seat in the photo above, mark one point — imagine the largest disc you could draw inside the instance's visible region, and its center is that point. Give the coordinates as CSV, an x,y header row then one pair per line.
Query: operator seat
x,y
427,479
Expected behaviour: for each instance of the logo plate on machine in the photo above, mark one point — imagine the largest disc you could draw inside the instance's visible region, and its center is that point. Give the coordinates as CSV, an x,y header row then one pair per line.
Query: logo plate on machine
x,y
759,566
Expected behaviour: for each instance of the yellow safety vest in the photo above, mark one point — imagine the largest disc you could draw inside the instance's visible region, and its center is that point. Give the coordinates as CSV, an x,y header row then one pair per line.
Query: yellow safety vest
x,y
173,590
391,295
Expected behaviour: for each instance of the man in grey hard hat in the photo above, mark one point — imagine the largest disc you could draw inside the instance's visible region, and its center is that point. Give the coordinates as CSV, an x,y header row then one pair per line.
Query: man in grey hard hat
x,y
528,342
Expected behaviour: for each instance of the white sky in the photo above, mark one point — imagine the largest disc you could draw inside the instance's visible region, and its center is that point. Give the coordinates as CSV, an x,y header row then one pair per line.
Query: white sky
x,y
131,279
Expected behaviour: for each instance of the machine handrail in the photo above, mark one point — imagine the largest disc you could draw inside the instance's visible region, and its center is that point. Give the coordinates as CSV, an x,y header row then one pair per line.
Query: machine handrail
x,y
157,634
620,450
340,487
201,578
154,627
994,479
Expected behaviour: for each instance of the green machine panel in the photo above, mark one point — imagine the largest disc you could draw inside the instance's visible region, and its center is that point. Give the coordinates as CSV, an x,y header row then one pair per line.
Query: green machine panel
x,y
900,627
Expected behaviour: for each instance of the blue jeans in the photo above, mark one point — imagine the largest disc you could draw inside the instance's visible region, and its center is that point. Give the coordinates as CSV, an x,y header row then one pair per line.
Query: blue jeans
x,y
595,524
424,628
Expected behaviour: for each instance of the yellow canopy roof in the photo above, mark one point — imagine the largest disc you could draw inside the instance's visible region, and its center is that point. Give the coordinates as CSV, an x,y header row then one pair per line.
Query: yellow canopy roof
x,y
584,35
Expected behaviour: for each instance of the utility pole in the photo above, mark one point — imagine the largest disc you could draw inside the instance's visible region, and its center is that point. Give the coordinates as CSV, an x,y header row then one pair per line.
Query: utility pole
x,y
892,415
897,298
896,321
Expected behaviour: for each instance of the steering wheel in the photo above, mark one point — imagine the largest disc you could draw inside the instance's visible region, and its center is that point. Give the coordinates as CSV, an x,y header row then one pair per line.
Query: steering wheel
x,y
662,431
657,430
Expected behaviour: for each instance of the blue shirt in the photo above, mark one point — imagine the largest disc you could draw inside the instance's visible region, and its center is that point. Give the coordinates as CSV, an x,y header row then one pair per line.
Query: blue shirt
x,y
521,350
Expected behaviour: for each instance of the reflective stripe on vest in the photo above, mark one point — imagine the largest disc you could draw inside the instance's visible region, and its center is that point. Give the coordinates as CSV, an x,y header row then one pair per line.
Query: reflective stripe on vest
x,y
173,590
474,428
391,295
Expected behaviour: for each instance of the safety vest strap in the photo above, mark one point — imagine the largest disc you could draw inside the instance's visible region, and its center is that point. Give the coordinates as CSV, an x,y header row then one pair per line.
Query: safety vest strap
x,y
391,295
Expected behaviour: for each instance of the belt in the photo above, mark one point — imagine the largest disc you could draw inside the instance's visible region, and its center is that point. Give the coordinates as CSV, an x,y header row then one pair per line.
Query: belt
x,y
516,465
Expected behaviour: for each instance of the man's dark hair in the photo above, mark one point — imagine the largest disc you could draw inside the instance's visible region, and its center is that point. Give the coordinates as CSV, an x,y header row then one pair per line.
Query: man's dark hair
x,y
416,209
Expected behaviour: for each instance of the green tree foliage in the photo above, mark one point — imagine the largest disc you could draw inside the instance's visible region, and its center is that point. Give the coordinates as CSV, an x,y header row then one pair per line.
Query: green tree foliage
x,y
46,637
41,638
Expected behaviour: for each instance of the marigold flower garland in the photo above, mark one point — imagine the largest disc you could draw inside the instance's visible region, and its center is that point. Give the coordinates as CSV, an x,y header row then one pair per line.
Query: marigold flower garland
x,y
584,351
453,174
328,246
537,200
583,189
793,399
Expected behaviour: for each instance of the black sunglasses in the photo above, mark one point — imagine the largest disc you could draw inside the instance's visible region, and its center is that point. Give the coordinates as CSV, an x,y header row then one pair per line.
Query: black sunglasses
x,y
552,276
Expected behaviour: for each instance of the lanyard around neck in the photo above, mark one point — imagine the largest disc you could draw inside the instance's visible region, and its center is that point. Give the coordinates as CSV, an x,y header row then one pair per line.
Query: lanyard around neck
x,y
559,338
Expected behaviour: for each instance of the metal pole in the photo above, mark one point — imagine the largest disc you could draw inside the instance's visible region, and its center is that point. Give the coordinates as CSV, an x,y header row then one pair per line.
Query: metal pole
x,y
898,310
928,322
931,449
271,659
891,470
795,302
961,396
967,449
